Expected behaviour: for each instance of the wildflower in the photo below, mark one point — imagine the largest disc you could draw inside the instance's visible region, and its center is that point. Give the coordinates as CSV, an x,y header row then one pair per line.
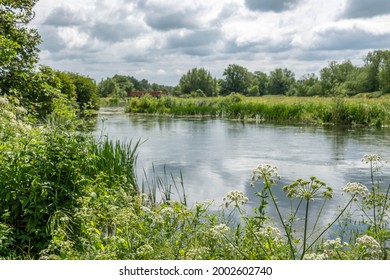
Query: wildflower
x,y
371,158
272,233
317,257
356,189
335,244
219,230
235,196
266,172
308,189
167,211
198,253
368,247
145,250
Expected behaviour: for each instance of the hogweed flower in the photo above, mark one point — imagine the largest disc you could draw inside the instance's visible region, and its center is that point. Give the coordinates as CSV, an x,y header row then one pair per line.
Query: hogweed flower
x,y
371,158
145,250
218,231
356,189
317,257
236,197
368,247
266,172
308,189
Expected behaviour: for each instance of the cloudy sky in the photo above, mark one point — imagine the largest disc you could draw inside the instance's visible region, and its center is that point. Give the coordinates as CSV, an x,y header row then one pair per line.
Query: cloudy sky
x,y
160,40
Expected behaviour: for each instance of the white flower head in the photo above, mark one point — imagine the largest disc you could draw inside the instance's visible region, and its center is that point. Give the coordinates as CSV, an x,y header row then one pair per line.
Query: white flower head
x,y
371,158
317,257
368,247
265,172
145,250
356,189
218,231
237,197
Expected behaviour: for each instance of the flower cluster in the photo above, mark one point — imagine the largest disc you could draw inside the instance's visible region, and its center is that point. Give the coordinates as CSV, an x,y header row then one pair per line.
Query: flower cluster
x,y
236,197
368,247
266,172
356,189
308,189
371,158
335,244
272,233
198,253
218,231
316,257
145,250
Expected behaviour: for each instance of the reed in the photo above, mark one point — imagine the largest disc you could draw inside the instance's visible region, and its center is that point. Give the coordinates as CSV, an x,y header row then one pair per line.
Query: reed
x,y
282,109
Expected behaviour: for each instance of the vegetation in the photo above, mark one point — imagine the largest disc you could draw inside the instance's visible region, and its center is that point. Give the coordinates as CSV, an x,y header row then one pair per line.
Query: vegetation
x,y
303,110
66,195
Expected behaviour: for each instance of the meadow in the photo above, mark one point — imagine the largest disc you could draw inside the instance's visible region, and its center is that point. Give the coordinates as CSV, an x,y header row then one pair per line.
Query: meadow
x,y
356,111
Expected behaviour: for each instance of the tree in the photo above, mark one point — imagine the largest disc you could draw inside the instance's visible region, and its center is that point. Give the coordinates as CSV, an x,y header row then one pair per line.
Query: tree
x,y
18,46
196,80
107,88
237,79
86,91
261,80
280,81
335,75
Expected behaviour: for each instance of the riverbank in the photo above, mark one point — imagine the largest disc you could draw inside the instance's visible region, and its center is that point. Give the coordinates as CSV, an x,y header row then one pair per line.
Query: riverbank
x,y
367,112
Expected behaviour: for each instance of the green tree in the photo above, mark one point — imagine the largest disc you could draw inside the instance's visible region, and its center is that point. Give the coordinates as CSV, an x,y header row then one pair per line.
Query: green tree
x,y
86,91
236,79
280,81
196,80
107,87
334,76
260,79
308,85
123,85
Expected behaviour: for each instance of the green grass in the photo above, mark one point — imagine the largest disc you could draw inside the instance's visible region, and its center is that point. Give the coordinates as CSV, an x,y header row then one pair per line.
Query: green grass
x,y
295,110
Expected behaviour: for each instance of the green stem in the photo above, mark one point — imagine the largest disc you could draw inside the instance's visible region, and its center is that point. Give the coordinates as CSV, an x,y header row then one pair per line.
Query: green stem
x,y
305,231
331,224
288,233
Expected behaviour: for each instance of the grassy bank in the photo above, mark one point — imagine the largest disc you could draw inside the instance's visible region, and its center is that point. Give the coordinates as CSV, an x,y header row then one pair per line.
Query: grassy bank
x,y
66,195
295,110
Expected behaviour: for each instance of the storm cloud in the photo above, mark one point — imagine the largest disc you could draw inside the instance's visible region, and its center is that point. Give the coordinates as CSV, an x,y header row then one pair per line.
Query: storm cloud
x,y
366,8
271,5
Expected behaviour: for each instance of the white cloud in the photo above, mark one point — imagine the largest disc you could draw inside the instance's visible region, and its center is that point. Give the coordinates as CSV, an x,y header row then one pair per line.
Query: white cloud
x,y
112,36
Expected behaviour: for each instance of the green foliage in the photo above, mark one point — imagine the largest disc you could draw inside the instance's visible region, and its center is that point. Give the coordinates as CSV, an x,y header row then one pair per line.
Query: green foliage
x,y
337,110
237,79
199,80
45,171
86,91
280,81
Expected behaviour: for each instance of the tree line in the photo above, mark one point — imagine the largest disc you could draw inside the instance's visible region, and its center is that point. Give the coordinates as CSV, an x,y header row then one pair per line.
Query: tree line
x,y
37,88
338,78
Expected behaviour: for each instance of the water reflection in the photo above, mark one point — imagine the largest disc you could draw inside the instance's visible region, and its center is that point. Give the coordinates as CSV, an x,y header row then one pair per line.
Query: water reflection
x,y
216,156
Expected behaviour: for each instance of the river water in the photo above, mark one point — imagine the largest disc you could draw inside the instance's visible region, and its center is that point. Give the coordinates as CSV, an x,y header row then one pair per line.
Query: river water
x,y
216,156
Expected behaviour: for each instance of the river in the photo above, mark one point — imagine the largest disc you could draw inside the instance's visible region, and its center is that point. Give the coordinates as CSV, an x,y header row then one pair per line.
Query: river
x,y
216,156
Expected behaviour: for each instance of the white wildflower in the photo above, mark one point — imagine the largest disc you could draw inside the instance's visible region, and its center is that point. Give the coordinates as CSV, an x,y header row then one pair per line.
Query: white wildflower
x,y
272,233
235,196
145,250
265,172
219,230
356,189
199,253
317,257
371,158
368,247
167,211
